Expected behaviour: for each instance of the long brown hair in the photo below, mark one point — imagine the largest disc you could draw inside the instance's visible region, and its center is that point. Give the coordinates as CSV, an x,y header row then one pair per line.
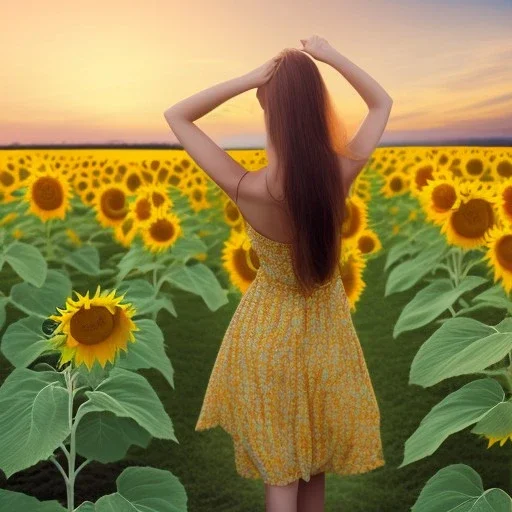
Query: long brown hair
x,y
307,137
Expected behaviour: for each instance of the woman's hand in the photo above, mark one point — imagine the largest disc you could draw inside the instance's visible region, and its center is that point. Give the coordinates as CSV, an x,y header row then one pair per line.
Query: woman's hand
x,y
317,47
262,74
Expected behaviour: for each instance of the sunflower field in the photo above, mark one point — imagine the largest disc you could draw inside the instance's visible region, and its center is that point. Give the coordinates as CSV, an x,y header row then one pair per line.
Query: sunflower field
x,y
95,243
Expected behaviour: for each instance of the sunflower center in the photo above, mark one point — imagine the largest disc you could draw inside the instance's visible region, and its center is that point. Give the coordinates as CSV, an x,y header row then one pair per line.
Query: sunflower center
x,y
366,244
47,193
443,197
422,175
351,225
162,230
473,219
396,184
504,169
475,167
113,204
92,326
504,252
157,198
507,200
143,209
6,178
133,182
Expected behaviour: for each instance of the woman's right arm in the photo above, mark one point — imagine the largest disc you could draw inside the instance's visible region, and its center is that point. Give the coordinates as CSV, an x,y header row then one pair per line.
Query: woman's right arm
x,y
378,100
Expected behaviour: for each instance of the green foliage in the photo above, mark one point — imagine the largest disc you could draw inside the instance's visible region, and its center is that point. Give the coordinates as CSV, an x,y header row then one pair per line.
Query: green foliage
x,y
459,487
34,418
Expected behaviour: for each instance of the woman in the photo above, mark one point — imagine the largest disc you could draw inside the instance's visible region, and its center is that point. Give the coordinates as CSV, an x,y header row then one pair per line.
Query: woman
x,y
290,383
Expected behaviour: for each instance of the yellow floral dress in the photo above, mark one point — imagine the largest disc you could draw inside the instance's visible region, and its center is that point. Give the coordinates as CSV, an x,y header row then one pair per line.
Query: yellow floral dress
x,y
290,383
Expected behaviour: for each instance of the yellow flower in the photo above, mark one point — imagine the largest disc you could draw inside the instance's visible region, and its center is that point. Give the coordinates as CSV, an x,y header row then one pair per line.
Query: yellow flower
x,y
471,216
95,328
48,193
8,218
74,237
499,254
161,230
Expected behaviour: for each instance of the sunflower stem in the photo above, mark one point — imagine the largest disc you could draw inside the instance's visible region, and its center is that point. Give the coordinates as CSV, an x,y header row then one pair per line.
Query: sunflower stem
x,y
49,248
70,483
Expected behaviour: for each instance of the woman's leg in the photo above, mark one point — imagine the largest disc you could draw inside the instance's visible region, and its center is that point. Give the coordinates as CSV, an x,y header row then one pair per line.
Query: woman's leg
x,y
281,498
311,495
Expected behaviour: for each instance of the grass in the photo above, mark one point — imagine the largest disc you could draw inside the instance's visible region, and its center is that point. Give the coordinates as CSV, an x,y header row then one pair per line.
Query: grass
x,y
204,461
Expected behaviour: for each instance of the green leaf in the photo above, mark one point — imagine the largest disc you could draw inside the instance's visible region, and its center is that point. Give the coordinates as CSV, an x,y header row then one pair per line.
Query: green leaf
x,y
3,302
86,506
407,274
86,259
431,301
34,418
42,301
148,351
145,489
459,487
104,437
404,248
497,422
495,297
11,501
198,279
460,346
23,341
187,247
27,261
455,412
129,395
134,258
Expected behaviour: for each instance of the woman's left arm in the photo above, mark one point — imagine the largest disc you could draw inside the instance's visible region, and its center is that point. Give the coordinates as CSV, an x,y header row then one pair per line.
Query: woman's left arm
x,y
221,168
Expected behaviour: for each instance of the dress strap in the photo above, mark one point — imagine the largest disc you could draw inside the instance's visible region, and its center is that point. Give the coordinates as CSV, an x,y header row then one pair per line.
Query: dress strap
x,y
236,197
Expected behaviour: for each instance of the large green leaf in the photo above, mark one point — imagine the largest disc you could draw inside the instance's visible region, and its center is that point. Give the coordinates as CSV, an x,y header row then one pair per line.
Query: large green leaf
x,y
459,488
144,489
457,411
460,346
129,395
198,279
496,423
11,501
42,301
495,297
148,351
34,418
431,301
142,295
23,341
86,259
403,248
104,437
134,258
407,274
28,262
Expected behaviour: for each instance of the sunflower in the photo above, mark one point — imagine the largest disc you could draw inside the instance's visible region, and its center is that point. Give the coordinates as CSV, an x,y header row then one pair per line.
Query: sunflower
x,y
240,260
438,196
471,216
396,183
368,242
499,254
352,266
126,231
501,167
95,328
504,200
74,237
48,193
111,205
161,230
356,218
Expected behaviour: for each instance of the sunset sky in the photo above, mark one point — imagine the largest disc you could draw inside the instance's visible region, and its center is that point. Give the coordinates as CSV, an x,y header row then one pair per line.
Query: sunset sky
x,y
103,71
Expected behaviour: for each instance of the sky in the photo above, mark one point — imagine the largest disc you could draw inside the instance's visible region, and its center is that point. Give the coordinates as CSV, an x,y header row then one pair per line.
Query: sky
x,y
104,71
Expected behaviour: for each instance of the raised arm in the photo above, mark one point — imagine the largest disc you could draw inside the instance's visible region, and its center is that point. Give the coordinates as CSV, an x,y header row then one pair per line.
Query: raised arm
x,y
378,100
